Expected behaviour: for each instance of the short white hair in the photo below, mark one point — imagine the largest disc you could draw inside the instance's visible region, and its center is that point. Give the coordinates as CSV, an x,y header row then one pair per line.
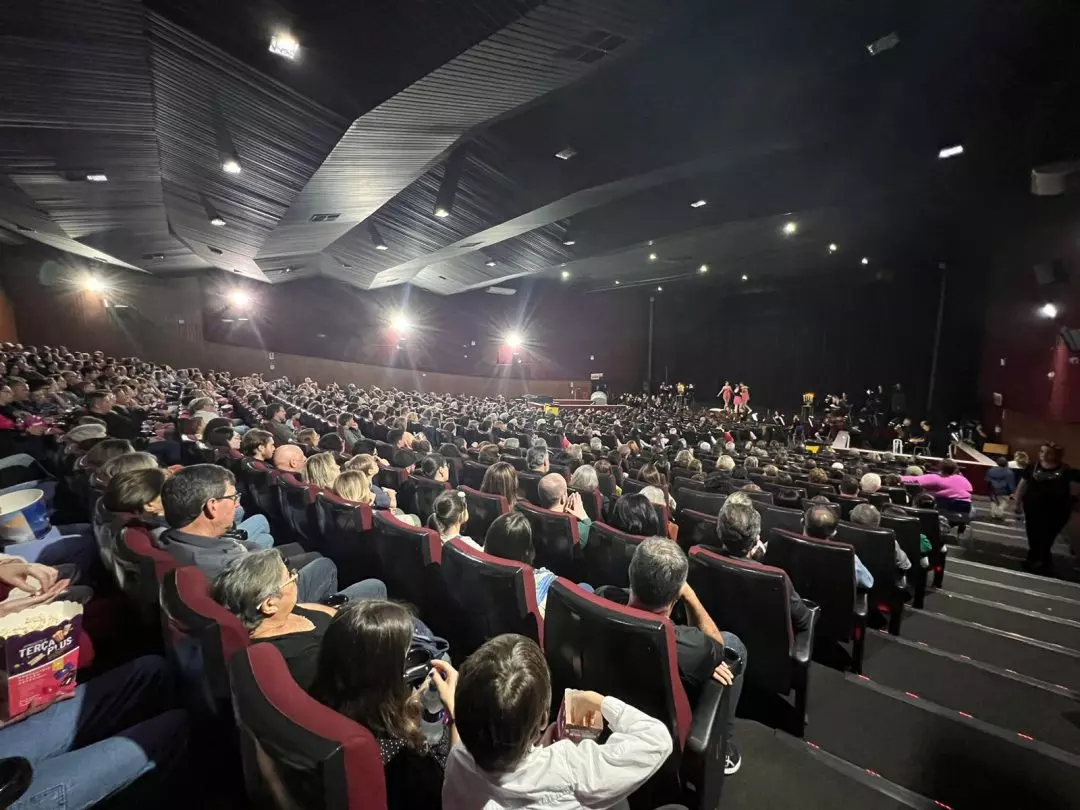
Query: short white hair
x,y
655,495
585,477
725,463
871,482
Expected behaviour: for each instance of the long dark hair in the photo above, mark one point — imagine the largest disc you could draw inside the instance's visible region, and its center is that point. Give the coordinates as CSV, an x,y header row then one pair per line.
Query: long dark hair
x,y
501,479
361,669
634,513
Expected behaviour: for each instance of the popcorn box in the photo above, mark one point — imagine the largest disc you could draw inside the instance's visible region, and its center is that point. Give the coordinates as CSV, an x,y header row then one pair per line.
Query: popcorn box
x,y
574,724
40,655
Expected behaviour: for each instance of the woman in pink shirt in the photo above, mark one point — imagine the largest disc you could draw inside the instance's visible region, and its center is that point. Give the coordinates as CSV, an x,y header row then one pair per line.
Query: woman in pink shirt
x,y
949,483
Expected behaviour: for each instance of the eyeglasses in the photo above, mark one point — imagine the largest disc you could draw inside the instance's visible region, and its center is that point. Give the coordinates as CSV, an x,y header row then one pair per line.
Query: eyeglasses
x,y
235,498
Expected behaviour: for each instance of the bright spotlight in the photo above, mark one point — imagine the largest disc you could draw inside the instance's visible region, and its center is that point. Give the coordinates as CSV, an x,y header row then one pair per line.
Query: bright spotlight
x,y
285,45
239,298
401,323
950,151
833,247
94,284
865,260
699,203
791,228
1048,311
565,275
703,269
745,277
513,340
653,257
231,166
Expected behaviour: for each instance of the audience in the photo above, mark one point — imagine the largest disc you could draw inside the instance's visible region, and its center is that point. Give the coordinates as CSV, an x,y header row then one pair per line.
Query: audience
x,y
555,496
949,483
450,512
820,522
633,513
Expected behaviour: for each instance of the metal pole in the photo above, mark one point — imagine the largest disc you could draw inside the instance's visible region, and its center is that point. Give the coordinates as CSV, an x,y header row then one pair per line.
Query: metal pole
x,y
648,356
937,342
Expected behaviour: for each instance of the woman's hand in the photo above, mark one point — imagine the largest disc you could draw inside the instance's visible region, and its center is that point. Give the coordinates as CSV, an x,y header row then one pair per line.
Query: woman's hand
x,y
445,678
15,605
25,576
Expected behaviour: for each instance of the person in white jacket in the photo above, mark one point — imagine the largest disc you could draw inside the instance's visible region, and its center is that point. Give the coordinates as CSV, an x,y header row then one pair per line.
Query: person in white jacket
x,y
502,704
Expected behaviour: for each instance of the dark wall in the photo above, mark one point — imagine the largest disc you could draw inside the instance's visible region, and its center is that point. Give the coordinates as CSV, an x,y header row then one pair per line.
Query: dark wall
x,y
568,335
825,338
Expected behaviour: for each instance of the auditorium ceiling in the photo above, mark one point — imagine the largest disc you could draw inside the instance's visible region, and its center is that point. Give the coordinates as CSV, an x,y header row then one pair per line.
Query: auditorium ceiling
x,y
462,144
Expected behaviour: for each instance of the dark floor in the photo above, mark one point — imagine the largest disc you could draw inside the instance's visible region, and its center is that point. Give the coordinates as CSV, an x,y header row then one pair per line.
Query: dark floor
x,y
976,705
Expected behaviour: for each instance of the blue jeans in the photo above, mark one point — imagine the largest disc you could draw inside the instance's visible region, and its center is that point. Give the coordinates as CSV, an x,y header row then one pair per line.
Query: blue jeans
x,y
258,532
318,580
115,730
733,642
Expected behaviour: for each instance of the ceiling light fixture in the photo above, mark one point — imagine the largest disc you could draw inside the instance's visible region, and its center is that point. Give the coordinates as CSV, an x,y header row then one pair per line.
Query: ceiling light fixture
x,y
565,275
1048,311
569,242
652,257
94,284
833,247
217,221
616,282
865,260
231,165
285,45
491,262
239,298
699,203
791,228
950,151
703,269
887,42
567,153
400,323
513,340
745,277
455,165
659,289
97,177
376,237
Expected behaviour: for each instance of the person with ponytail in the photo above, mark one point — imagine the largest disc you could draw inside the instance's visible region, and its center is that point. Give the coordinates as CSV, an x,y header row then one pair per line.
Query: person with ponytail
x,y
449,513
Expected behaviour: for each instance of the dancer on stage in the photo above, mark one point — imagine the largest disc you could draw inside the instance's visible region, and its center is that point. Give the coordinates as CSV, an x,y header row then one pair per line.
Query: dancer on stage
x,y
737,398
745,396
725,394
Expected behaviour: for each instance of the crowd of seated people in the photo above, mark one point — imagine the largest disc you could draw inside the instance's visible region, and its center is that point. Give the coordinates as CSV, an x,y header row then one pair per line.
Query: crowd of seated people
x,y
124,443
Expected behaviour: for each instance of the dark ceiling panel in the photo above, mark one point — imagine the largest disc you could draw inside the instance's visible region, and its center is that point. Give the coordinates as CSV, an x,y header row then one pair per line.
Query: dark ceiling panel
x,y
208,104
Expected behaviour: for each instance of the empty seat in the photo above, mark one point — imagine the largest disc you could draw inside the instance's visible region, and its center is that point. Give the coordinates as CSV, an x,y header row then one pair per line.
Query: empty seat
x,y
823,572
556,539
491,595
607,555
296,751
753,601
201,637
484,508
591,643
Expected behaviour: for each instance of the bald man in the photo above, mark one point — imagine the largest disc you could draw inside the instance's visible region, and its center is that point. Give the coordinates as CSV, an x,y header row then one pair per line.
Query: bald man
x,y
289,458
554,495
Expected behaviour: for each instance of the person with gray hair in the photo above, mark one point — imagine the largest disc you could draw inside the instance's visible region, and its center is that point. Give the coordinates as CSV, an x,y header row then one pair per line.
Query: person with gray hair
x,y
658,572
596,445
585,477
261,591
870,483
725,463
868,516
200,505
536,460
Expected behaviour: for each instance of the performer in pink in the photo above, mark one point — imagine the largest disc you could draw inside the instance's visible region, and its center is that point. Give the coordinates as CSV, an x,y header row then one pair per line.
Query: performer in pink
x,y
738,397
725,394
745,396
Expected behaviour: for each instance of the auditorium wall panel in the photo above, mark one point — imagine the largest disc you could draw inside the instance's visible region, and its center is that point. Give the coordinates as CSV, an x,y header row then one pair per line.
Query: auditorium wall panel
x,y
167,319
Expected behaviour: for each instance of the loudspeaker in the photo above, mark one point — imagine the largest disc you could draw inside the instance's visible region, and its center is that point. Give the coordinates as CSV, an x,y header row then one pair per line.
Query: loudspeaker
x,y
1053,272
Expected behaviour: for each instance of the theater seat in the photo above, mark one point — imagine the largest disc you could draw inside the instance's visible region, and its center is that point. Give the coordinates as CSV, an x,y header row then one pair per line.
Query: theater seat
x,y
931,527
695,529
297,752
484,508
607,555
529,486
472,474
632,485
846,504
753,602
409,560
591,643
823,572
491,596
391,477
296,502
592,501
776,517
420,495
256,478
907,530
200,637
876,549
140,566
708,503
346,531
555,537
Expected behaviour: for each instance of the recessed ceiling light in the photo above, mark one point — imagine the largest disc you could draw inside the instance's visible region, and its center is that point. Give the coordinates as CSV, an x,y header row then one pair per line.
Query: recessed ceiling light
x,y
567,153
652,257
1048,311
441,212
745,277
97,177
381,247
651,243
491,262
565,275
833,247
616,282
284,44
951,151
791,228
703,269
698,203
659,289
569,242
231,166
217,221
865,260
